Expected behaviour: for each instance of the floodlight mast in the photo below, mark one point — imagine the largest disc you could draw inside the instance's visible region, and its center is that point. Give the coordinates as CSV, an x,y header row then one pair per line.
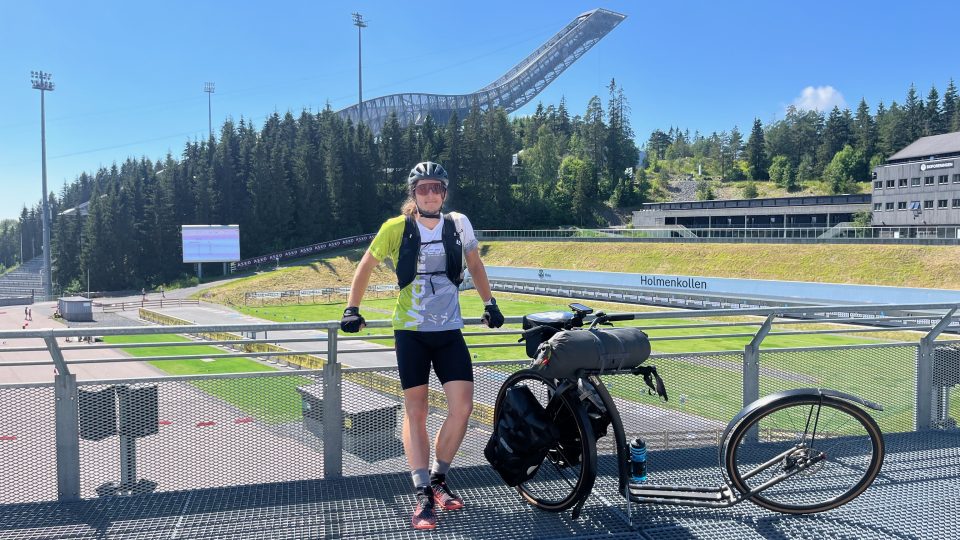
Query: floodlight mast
x,y
360,24
208,87
43,82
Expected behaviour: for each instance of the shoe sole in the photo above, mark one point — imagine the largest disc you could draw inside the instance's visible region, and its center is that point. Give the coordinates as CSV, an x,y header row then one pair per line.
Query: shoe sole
x,y
455,506
423,526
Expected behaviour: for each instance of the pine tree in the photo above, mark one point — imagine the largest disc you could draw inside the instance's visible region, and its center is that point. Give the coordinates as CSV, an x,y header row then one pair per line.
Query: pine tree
x,y
837,133
932,115
914,108
756,152
950,108
864,130
736,143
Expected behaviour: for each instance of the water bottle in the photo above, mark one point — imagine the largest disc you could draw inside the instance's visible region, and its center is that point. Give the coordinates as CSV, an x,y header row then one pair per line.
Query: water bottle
x,y
638,461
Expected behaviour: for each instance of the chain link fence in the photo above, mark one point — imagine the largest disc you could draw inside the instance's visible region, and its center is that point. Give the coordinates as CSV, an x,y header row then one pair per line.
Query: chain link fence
x,y
195,432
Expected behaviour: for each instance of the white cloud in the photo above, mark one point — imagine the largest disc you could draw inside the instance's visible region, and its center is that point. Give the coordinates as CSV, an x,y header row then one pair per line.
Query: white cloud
x,y
820,98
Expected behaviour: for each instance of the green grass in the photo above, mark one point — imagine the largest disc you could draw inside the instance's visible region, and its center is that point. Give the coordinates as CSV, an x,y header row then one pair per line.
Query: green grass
x,y
471,306
712,392
268,399
186,367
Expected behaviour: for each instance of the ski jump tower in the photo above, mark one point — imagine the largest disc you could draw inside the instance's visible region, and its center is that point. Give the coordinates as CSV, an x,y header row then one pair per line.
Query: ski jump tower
x,y
511,91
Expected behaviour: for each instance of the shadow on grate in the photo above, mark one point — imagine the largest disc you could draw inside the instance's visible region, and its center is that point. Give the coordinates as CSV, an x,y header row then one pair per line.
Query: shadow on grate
x,y
916,497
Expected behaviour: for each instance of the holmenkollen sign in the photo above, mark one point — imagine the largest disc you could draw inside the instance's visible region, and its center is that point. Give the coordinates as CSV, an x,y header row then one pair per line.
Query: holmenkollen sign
x,y
672,282
835,293
938,165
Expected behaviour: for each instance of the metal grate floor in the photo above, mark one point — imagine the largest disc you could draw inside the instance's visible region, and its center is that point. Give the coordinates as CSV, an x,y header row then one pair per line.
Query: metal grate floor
x,y
917,496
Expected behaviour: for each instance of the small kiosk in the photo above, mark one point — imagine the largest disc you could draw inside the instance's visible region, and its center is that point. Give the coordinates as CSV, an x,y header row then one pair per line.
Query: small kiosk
x,y
76,308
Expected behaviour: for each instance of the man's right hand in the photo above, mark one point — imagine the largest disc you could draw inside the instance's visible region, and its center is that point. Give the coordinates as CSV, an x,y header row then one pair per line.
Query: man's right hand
x,y
352,322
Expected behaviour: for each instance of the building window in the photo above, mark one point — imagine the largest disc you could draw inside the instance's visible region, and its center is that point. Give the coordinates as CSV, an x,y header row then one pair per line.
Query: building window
x,y
889,206
956,179
915,182
927,204
902,182
928,180
902,205
878,184
891,184
877,206
956,203
943,179
941,203
914,205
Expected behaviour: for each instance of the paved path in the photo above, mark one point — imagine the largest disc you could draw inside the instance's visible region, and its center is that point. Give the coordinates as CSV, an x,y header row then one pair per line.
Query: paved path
x,y
12,318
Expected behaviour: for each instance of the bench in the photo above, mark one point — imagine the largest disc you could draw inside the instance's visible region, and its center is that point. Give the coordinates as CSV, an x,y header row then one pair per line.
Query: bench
x,y
369,418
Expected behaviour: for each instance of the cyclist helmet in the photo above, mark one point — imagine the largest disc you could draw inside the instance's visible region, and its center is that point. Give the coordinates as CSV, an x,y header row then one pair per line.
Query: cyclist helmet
x,y
427,170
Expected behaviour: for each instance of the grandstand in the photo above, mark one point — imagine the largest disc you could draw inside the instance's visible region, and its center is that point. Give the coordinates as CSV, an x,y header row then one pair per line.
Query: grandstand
x,y
24,282
779,212
511,91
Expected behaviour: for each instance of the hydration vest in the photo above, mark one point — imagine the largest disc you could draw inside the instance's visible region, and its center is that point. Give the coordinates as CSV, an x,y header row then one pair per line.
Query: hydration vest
x,y
410,252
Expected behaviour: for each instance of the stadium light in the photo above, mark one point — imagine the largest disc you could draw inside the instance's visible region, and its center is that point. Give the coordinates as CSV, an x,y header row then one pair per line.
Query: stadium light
x,y
208,88
43,82
360,24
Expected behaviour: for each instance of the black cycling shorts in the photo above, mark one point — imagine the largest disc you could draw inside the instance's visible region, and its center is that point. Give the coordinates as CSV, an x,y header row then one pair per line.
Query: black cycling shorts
x,y
446,350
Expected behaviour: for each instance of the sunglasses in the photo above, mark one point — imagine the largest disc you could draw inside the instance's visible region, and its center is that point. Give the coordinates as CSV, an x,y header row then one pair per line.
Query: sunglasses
x,y
426,189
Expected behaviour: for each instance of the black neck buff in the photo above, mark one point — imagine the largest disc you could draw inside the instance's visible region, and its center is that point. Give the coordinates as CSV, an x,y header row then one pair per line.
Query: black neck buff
x,y
424,214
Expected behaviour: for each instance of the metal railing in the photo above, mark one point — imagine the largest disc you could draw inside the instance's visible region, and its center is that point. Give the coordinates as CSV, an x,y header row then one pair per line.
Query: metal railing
x,y
108,307
779,234
70,439
326,294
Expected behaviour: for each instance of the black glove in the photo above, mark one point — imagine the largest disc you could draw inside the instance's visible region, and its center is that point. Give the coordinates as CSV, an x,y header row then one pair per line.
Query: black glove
x,y
352,321
491,315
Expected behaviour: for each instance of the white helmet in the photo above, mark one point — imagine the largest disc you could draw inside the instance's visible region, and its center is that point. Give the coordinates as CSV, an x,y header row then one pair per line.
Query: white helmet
x,y
427,170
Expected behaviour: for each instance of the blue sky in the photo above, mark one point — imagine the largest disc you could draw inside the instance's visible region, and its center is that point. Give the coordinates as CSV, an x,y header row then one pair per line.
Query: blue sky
x,y
130,75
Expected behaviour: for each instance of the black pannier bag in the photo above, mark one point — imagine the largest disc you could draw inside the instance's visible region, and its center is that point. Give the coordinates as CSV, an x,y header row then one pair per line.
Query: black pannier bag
x,y
521,437
594,350
552,321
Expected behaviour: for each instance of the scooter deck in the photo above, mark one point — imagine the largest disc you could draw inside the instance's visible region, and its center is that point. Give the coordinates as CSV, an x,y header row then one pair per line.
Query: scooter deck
x,y
720,497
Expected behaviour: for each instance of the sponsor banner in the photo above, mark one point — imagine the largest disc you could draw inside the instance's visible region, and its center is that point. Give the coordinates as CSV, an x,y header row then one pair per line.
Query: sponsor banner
x,y
831,293
303,251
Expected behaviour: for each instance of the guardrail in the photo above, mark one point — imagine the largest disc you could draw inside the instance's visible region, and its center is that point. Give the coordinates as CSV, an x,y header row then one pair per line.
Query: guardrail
x,y
688,300
298,296
70,439
949,235
296,253
108,307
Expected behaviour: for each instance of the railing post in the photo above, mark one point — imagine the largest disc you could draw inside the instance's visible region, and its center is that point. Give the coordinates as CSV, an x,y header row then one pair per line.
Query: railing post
x,y
332,411
923,419
751,370
751,363
926,406
67,425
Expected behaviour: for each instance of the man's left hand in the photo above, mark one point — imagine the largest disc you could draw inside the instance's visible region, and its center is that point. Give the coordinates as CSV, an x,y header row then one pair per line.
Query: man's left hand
x,y
491,315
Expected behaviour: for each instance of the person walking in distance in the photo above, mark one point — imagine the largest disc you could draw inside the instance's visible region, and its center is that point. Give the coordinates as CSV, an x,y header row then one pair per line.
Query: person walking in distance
x,y
429,250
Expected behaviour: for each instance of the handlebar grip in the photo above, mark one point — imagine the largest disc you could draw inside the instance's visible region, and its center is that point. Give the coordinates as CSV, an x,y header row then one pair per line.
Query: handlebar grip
x,y
620,317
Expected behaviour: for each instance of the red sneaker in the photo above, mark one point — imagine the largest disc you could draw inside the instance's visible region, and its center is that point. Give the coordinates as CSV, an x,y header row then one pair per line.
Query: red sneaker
x,y
424,516
445,498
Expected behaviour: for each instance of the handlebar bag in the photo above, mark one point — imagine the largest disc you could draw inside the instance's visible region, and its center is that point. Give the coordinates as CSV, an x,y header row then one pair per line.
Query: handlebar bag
x,y
592,350
553,321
